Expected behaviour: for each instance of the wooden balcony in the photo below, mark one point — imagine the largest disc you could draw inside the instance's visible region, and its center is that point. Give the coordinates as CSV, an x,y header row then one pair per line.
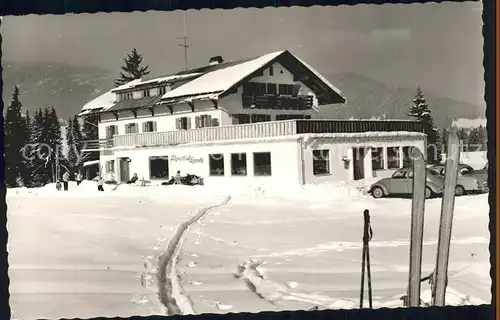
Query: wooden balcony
x,y
277,102
259,130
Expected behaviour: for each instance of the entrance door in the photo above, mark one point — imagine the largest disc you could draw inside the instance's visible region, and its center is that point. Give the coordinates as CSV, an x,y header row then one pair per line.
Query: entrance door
x,y
358,163
124,170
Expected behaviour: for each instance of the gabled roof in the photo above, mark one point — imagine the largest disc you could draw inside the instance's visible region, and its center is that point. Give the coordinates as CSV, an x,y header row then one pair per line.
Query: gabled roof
x,y
214,81
220,80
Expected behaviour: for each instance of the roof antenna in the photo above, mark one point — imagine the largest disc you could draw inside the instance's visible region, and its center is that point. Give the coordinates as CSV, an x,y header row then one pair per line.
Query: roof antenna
x,y
184,44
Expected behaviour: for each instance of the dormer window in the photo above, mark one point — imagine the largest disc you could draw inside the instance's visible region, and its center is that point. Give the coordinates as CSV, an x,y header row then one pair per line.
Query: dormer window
x,y
125,96
145,93
163,90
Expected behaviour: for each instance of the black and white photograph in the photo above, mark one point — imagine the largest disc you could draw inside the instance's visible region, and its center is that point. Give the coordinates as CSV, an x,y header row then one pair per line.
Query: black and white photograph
x,y
246,160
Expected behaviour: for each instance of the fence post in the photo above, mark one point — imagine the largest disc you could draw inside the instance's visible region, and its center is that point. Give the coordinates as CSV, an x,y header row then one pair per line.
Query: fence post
x,y
440,278
417,227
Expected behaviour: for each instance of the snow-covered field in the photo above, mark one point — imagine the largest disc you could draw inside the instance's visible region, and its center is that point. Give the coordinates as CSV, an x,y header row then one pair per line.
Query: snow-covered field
x,y
87,254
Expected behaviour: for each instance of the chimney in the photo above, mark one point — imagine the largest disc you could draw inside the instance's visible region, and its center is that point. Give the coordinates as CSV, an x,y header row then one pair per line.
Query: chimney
x,y
215,60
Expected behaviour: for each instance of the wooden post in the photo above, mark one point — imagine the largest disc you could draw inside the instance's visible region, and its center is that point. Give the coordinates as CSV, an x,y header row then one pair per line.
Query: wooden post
x,y
417,227
440,278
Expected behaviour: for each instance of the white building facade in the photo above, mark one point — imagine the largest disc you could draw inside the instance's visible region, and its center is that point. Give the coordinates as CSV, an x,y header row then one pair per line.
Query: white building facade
x,y
245,121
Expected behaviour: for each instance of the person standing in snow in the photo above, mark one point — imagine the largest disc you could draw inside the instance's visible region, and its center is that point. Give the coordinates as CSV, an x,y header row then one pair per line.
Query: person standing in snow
x,y
66,180
100,184
58,185
78,178
178,178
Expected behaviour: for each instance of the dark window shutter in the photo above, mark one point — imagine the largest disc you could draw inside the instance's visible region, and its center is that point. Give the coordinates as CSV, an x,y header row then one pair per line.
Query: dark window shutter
x,y
154,126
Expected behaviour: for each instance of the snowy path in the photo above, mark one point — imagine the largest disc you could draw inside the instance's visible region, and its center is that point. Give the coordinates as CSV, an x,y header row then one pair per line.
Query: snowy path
x,y
74,256
169,290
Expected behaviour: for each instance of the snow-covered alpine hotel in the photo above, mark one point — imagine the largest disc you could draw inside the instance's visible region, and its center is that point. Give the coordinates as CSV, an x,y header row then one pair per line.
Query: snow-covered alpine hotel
x,y
247,121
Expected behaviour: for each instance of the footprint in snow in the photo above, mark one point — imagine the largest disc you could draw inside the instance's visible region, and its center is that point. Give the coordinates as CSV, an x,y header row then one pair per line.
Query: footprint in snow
x,y
192,264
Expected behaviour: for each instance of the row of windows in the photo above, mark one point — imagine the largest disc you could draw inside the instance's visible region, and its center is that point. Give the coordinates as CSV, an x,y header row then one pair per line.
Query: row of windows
x,y
148,126
321,159
143,93
262,88
203,121
158,166
261,164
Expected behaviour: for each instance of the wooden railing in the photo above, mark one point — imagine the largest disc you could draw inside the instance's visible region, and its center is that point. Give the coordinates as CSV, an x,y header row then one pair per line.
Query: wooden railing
x,y
234,132
261,130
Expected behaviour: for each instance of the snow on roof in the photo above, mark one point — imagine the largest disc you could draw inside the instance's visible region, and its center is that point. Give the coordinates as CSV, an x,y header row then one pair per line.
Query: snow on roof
x,y
104,101
128,85
222,79
170,78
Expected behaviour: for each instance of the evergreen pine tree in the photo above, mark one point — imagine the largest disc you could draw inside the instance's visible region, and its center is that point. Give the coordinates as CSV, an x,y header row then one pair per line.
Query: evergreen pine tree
x,y
15,133
444,139
483,138
26,167
78,142
71,155
37,163
463,137
132,69
90,133
473,140
420,110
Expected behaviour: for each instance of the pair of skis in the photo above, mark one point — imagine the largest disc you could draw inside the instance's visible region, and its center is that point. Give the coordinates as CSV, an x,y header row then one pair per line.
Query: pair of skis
x,y
365,260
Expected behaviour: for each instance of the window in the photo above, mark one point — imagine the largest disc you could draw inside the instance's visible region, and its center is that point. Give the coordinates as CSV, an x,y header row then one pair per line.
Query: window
x,y
215,122
407,158
183,123
393,157
271,88
254,118
286,89
158,167
203,121
241,118
239,164
216,164
131,128
260,88
280,117
377,159
262,163
110,166
271,71
400,174
149,126
321,161
111,131
163,90
145,93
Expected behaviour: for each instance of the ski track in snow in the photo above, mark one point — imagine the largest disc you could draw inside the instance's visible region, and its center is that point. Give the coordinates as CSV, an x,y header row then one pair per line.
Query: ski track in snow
x,y
339,246
170,291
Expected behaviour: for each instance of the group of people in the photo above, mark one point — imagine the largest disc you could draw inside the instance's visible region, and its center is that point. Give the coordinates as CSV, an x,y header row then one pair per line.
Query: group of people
x,y
65,180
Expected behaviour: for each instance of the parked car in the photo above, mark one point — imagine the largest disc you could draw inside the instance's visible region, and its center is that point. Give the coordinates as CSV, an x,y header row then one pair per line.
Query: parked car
x,y
468,180
401,183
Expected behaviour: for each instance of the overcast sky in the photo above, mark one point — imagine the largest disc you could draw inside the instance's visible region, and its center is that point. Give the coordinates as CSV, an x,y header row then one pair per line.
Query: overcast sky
x,y
436,45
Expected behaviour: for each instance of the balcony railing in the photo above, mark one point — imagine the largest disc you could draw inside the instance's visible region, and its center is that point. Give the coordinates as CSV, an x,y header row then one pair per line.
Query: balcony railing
x,y
259,130
301,102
